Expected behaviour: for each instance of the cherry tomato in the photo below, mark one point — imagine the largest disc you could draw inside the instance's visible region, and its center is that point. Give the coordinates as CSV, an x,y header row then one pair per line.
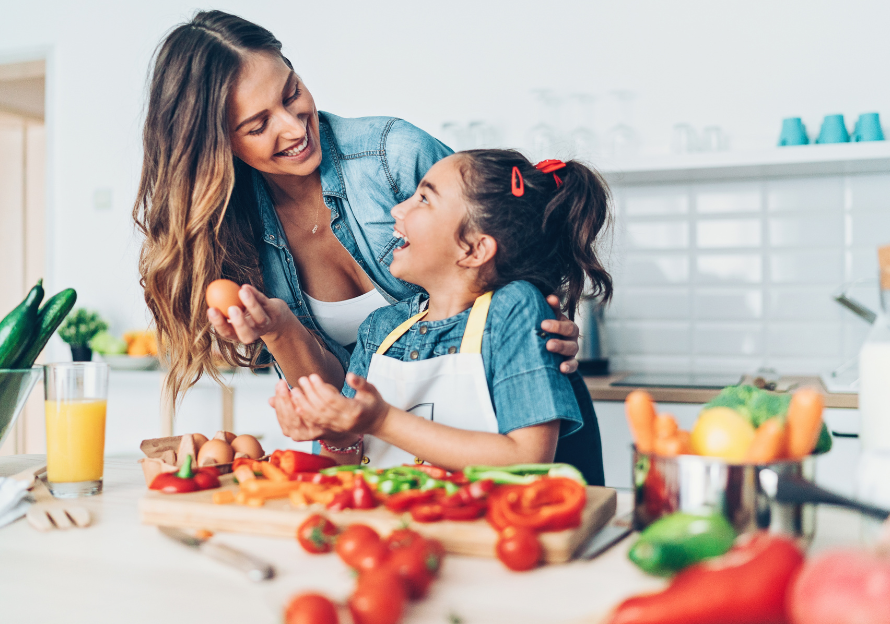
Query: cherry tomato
x,y
401,538
311,609
409,564
518,548
352,539
369,557
379,598
317,534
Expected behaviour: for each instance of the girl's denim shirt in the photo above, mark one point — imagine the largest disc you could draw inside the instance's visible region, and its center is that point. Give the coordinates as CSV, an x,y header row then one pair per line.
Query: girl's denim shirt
x,y
368,165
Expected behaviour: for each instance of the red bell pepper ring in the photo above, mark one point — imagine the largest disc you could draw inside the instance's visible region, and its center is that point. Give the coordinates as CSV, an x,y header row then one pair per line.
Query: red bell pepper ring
x,y
747,585
362,495
427,512
549,504
341,501
403,501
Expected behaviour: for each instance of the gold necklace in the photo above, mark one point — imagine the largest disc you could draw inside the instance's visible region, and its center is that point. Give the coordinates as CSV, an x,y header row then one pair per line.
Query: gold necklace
x,y
315,228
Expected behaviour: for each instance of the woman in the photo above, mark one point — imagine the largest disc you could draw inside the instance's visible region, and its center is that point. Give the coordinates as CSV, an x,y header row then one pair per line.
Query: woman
x,y
244,179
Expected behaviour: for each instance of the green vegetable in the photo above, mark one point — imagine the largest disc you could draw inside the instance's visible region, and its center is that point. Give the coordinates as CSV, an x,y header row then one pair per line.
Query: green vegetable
x,y
522,473
79,328
185,471
18,327
676,541
50,316
106,344
758,406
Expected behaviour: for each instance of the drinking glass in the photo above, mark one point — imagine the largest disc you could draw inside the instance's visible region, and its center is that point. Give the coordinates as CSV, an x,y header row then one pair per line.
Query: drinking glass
x,y
76,394
684,139
622,139
543,134
584,140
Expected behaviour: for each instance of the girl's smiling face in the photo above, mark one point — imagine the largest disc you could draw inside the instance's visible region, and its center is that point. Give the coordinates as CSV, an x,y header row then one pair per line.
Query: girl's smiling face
x,y
273,122
429,221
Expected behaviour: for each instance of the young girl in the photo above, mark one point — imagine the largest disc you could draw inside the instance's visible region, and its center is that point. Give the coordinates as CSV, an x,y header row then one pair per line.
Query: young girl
x,y
462,376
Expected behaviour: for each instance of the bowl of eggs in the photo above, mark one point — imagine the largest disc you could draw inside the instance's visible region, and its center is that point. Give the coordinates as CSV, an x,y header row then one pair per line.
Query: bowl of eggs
x,y
168,454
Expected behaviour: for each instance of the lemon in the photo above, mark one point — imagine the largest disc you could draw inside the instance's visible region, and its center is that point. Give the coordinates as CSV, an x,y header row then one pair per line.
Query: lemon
x,y
722,432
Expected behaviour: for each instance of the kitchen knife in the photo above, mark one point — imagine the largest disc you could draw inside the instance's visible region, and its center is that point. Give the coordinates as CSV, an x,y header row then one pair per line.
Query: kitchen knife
x,y
619,528
255,569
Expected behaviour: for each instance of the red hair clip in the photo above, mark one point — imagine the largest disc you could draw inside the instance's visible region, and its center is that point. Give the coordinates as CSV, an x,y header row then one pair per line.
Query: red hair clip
x,y
549,166
517,184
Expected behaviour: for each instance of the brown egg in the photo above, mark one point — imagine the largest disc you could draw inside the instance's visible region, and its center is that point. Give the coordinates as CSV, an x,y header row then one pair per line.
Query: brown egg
x,y
199,439
215,452
226,436
248,445
222,294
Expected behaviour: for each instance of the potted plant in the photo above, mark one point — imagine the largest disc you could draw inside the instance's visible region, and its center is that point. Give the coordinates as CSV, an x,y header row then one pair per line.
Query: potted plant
x,y
78,329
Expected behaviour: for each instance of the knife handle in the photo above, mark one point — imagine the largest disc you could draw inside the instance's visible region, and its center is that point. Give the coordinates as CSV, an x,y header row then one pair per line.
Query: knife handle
x,y
255,569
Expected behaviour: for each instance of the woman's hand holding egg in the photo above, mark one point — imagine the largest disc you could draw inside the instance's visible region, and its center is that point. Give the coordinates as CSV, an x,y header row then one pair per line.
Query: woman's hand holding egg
x,y
243,314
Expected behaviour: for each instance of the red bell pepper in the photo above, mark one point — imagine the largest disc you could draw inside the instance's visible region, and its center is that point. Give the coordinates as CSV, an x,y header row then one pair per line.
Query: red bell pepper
x,y
403,501
315,477
362,496
342,500
427,512
291,461
186,480
549,504
747,585
469,511
472,493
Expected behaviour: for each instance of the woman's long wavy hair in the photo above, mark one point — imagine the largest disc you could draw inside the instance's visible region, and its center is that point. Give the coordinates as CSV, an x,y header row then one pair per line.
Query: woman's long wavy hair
x,y
195,204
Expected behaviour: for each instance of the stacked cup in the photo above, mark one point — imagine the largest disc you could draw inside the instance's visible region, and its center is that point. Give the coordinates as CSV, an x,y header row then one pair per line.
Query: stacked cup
x,y
834,130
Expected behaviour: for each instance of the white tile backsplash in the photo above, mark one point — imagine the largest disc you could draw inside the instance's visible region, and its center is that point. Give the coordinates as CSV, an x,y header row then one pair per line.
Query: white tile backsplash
x,y
731,276
727,233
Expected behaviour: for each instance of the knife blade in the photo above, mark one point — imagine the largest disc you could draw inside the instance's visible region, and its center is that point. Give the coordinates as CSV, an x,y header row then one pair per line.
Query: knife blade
x,y
255,569
615,531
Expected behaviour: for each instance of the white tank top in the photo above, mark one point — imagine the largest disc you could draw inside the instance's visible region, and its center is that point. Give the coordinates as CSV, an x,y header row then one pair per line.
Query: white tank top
x,y
340,319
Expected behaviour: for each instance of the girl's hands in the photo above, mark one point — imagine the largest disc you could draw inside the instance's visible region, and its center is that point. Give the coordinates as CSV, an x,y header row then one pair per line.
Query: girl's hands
x,y
262,317
564,327
314,409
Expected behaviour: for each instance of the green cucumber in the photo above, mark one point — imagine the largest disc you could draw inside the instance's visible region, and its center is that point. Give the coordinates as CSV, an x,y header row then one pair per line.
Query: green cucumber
x,y
17,329
49,318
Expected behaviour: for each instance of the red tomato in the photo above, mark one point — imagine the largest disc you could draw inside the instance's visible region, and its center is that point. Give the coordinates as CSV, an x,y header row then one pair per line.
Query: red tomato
x,y
379,598
369,557
354,538
317,534
518,549
401,538
433,554
410,565
311,609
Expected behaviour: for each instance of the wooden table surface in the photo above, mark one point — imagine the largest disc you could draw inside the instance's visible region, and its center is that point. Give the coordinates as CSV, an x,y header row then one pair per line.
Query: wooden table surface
x,y
121,571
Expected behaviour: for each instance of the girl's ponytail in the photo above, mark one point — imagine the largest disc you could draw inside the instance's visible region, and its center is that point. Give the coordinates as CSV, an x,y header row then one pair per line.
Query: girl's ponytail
x,y
547,234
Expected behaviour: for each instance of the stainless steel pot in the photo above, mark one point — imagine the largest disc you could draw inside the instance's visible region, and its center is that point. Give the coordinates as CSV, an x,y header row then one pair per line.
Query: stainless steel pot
x,y
663,485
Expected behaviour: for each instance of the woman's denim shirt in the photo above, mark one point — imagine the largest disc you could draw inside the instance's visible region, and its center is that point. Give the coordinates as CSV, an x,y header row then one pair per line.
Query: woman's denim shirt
x,y
368,165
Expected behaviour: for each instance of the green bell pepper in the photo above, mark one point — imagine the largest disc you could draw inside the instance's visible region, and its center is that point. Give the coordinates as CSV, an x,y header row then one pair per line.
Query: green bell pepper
x,y
676,541
522,474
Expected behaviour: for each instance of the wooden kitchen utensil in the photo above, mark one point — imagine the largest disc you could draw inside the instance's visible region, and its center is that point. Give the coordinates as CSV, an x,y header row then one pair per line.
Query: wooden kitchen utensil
x,y
49,513
278,518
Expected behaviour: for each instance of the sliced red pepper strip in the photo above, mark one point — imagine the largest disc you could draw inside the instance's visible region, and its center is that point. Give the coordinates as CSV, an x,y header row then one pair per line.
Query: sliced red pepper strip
x,y
466,512
308,462
315,477
427,512
434,471
362,496
342,500
402,501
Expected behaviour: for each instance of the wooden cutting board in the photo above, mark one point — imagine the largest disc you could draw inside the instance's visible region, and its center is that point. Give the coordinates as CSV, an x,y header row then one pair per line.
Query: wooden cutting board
x,y
278,518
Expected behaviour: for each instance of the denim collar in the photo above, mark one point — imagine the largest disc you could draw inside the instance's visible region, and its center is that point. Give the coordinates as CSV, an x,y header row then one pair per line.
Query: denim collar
x,y
331,186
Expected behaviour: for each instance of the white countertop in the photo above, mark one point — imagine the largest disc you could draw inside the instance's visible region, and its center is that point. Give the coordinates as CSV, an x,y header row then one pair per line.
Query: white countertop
x,y
121,571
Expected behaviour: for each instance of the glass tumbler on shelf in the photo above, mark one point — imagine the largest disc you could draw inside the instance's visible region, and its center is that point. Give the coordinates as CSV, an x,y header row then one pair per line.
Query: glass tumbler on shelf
x,y
543,135
684,139
76,394
622,139
584,141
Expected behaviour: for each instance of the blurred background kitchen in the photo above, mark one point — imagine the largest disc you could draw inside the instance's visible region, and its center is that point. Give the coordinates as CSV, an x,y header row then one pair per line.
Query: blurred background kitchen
x,y
728,249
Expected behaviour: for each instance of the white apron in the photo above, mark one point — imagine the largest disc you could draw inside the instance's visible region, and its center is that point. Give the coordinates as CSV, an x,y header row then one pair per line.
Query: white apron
x,y
448,389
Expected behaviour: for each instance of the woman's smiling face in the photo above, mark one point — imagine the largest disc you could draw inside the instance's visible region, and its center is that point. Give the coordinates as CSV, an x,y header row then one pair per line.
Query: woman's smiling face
x,y
429,221
273,122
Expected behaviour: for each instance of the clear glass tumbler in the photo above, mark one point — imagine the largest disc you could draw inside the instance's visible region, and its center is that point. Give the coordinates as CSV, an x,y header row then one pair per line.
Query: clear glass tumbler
x,y
76,395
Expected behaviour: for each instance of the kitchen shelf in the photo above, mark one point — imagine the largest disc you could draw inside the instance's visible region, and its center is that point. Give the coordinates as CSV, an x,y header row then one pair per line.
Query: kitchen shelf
x,y
802,160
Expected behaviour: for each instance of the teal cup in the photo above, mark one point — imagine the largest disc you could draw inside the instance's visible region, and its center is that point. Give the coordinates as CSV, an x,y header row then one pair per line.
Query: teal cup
x,y
833,130
868,128
793,132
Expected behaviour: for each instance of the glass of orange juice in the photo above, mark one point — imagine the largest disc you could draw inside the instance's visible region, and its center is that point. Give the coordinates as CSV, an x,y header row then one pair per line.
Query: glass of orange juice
x,y
76,395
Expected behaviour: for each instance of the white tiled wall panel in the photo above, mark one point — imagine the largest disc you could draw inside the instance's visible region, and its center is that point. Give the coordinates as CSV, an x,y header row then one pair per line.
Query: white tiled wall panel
x,y
731,276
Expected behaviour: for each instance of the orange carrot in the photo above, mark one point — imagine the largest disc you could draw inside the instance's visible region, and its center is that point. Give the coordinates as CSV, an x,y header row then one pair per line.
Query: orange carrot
x,y
665,426
640,410
668,446
685,443
768,443
804,422
273,473
223,497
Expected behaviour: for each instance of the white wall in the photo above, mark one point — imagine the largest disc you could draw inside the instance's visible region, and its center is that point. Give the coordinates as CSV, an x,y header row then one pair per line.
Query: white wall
x,y
743,66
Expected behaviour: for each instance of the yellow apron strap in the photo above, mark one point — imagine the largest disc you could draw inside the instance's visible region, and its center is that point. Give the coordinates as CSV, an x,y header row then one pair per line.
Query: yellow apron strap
x,y
472,341
398,332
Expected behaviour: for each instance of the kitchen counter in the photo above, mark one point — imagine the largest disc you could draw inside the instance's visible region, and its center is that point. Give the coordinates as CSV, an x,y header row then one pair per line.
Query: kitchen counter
x,y
119,570
602,390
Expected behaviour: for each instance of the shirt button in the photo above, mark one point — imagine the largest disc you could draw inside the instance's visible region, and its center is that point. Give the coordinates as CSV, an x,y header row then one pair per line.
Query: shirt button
x,y
337,227
424,329
452,350
414,355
